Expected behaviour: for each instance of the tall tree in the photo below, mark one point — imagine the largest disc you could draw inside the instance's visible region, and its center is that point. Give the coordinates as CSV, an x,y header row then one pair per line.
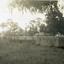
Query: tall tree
x,y
55,21
13,27
35,26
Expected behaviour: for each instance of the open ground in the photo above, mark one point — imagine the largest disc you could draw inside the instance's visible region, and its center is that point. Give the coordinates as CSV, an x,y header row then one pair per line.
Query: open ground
x,y
29,53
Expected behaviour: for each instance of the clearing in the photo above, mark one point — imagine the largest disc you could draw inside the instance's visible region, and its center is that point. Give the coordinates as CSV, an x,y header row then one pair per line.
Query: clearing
x,y
29,53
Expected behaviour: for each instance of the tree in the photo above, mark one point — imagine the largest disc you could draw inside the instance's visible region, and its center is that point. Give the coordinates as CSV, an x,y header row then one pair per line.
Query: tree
x,y
34,26
31,29
3,25
42,28
13,27
20,31
55,21
37,23
31,5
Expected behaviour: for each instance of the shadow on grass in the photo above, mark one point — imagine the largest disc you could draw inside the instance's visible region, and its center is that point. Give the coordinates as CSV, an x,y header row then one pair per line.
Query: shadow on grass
x,y
61,48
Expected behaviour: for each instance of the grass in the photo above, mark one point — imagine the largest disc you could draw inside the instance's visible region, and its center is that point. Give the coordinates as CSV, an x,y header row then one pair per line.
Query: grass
x,y
28,53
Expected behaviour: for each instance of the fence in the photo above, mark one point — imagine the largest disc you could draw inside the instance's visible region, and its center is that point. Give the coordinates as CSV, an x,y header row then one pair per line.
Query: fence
x,y
47,40
17,37
42,40
50,41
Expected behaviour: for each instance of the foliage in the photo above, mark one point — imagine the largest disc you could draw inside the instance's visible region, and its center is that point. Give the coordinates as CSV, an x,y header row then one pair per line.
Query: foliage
x,y
3,25
55,21
34,26
42,28
31,5
12,26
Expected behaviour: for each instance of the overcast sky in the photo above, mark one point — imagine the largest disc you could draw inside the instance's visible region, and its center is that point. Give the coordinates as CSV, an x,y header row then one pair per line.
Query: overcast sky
x,y
16,16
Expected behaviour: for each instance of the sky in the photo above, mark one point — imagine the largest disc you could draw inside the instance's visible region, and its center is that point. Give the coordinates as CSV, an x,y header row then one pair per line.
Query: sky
x,y
16,15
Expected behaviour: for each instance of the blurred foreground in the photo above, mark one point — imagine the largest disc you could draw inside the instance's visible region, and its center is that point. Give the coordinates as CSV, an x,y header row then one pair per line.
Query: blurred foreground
x,y
12,52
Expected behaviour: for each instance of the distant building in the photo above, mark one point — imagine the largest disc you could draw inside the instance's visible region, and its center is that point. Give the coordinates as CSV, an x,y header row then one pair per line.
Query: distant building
x,y
39,34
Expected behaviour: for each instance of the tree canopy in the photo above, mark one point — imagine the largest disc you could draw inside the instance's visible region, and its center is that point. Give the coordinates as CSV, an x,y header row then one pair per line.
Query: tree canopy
x,y
55,21
54,18
31,5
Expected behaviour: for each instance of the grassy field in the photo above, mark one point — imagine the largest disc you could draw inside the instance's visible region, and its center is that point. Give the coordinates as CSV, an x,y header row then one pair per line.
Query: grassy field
x,y
29,53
